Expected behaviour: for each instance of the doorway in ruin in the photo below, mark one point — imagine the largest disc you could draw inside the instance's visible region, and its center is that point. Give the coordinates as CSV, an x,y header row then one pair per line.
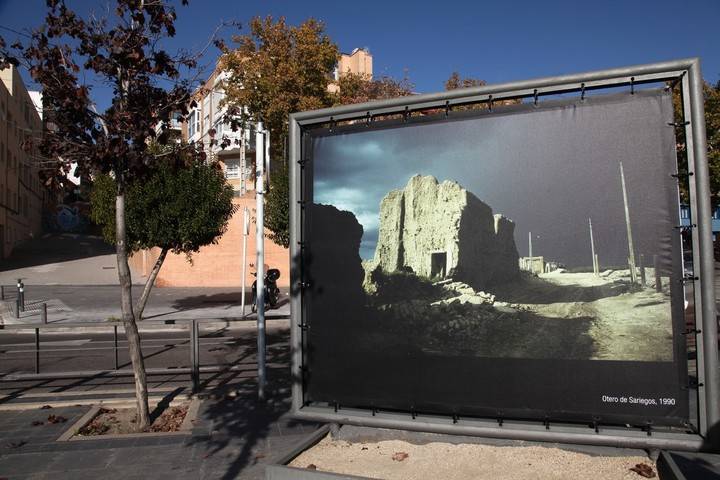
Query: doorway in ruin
x,y
438,264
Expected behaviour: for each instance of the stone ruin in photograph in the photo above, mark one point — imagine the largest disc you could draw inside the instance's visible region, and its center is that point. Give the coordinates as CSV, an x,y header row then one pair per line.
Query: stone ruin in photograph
x,y
440,230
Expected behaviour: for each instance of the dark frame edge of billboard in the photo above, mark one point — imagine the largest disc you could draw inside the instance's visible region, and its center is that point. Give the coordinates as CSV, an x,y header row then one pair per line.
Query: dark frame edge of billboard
x,y
687,72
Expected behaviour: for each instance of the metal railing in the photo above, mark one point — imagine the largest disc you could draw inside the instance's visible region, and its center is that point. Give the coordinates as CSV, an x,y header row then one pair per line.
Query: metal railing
x,y
193,342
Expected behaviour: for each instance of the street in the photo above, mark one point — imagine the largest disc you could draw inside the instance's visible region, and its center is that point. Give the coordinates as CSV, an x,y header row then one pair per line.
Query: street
x,y
88,353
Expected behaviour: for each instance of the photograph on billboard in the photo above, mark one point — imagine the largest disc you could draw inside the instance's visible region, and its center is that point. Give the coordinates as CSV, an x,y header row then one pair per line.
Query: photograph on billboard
x,y
519,262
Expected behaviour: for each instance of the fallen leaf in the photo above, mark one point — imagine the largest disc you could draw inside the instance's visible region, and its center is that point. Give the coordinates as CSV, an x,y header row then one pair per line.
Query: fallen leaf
x,y
36,423
400,456
45,407
644,470
312,466
364,448
56,419
16,444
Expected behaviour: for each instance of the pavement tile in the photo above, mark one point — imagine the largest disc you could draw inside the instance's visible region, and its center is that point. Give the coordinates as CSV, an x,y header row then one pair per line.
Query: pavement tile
x,y
25,464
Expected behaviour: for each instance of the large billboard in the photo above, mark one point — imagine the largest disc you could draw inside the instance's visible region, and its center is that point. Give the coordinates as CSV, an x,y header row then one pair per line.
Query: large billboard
x,y
515,262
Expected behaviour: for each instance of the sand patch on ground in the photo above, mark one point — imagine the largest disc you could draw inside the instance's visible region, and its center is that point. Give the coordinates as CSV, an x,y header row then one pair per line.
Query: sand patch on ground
x,y
463,461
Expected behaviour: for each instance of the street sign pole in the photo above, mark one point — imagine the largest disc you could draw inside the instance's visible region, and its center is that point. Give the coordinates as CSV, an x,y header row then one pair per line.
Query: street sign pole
x,y
246,232
260,264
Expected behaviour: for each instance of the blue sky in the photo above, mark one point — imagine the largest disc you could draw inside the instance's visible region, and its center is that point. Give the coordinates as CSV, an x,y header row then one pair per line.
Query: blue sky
x,y
494,40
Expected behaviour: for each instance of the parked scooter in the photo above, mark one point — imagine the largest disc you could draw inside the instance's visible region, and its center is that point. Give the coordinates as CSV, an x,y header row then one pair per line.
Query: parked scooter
x,y
272,292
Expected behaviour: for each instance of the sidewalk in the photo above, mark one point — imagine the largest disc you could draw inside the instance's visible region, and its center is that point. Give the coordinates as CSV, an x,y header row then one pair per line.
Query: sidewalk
x,y
62,259
234,437
99,303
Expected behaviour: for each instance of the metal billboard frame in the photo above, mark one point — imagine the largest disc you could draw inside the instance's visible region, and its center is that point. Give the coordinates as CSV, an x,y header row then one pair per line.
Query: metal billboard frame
x,y
687,73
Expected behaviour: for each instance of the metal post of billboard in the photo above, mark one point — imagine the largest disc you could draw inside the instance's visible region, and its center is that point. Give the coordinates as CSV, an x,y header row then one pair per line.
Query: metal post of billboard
x,y
703,217
260,263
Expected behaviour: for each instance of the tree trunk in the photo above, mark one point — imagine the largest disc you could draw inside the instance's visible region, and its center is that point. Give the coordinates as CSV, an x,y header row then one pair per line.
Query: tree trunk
x,y
140,307
128,318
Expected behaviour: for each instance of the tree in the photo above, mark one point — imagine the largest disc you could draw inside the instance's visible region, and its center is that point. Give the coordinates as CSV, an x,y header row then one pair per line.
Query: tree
x,y
360,88
191,205
276,70
123,51
712,127
455,81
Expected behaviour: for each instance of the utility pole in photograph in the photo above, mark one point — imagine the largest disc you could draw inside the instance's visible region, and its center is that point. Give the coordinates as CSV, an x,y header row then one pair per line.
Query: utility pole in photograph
x,y
596,267
631,249
530,245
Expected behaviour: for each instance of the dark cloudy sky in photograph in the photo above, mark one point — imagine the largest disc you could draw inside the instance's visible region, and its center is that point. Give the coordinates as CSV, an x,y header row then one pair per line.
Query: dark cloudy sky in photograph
x,y
547,169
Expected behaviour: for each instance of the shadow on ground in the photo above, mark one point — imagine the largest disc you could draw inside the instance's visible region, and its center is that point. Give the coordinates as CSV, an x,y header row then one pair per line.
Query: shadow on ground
x,y
55,248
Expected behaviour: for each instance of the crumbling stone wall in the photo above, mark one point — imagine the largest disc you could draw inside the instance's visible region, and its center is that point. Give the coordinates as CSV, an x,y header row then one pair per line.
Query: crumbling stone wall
x,y
440,230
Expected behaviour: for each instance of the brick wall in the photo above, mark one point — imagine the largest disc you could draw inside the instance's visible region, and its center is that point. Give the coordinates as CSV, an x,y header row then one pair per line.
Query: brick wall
x,y
218,265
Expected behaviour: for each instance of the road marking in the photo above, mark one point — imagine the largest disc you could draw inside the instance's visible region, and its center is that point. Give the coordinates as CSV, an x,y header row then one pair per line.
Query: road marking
x,y
86,393
57,343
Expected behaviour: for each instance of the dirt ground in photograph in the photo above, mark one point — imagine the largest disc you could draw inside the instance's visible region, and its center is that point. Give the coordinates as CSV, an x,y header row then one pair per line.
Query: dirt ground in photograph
x,y
395,459
626,324
555,315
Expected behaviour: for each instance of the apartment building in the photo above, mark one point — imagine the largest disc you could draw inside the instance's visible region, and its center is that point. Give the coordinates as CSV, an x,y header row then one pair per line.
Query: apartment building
x,y
22,195
359,61
220,265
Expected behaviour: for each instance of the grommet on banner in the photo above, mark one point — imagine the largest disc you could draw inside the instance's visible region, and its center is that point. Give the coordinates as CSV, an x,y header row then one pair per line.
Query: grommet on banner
x,y
673,84
301,203
693,384
582,92
304,285
632,85
690,427
535,97
304,326
682,173
678,124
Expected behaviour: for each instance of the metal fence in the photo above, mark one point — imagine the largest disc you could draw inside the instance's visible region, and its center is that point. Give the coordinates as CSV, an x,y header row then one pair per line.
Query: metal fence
x,y
193,342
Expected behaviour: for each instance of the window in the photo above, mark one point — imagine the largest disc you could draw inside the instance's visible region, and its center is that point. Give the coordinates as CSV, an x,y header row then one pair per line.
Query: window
x,y
232,168
193,124
175,120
